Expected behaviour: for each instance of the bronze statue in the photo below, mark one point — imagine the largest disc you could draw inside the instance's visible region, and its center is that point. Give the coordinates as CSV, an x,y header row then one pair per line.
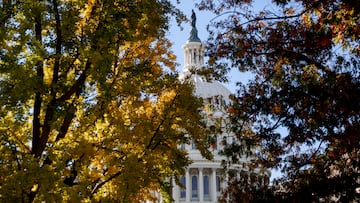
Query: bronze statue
x,y
193,19
193,33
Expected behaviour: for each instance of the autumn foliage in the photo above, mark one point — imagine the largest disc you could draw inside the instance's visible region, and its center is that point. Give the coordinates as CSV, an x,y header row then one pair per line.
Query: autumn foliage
x,y
91,109
304,101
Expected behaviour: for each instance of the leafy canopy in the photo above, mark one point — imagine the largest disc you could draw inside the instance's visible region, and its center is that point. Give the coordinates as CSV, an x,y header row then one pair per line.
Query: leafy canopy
x,y
305,60
91,108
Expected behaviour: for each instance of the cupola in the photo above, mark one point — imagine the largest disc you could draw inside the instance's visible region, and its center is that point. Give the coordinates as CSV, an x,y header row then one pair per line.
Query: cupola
x,y
193,49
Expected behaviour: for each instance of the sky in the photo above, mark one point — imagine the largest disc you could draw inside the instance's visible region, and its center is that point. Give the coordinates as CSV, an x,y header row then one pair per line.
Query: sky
x,y
179,37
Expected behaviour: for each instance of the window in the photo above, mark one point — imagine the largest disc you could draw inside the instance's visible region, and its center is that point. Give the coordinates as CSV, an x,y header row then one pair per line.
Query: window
x,y
206,187
216,100
224,140
193,145
183,189
218,183
214,142
194,187
182,146
266,180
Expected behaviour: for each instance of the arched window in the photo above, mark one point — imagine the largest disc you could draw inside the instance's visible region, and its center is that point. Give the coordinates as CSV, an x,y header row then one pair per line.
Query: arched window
x,y
218,182
214,142
183,189
206,187
193,145
216,100
224,140
266,180
194,187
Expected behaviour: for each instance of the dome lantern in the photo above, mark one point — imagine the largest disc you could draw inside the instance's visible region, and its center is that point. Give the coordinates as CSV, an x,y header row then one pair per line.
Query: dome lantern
x,y
193,49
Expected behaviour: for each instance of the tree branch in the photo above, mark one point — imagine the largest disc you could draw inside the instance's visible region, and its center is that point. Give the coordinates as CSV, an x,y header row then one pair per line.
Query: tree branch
x,y
99,185
159,126
58,44
76,87
294,55
70,114
313,4
302,57
38,97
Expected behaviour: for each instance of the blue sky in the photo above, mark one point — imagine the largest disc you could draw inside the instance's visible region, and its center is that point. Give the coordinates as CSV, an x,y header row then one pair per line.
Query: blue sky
x,y
178,37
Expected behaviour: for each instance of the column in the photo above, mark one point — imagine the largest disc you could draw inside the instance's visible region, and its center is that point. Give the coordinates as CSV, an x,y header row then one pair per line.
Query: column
x,y
188,57
226,179
175,190
188,185
213,192
201,185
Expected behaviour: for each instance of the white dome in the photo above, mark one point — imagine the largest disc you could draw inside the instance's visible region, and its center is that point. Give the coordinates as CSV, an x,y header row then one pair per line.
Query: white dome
x,y
206,89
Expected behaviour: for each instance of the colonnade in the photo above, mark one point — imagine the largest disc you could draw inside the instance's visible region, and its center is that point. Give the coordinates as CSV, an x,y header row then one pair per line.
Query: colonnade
x,y
201,185
193,54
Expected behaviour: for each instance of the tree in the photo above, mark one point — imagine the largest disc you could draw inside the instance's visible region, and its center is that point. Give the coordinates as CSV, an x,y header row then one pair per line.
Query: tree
x,y
91,107
305,61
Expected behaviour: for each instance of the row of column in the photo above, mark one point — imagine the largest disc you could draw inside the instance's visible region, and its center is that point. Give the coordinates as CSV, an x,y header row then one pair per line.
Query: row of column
x,y
212,184
193,56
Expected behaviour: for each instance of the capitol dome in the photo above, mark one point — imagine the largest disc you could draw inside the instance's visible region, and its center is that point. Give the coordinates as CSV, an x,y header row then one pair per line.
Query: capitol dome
x,y
203,179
